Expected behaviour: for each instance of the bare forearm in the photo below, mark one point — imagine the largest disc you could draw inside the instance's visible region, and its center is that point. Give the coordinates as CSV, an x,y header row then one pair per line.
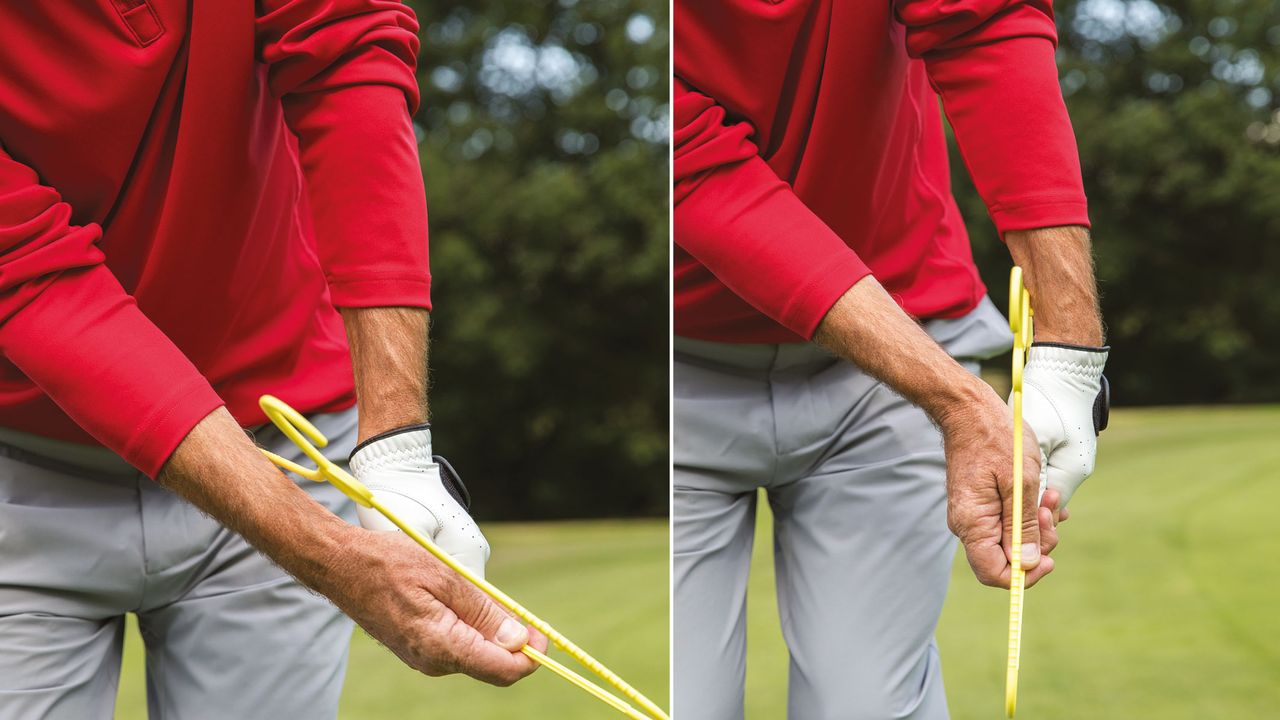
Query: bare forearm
x,y
1057,267
389,355
218,469
867,327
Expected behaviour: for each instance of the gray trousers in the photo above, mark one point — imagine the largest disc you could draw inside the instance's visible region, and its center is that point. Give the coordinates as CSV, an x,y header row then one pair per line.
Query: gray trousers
x,y
855,478
227,633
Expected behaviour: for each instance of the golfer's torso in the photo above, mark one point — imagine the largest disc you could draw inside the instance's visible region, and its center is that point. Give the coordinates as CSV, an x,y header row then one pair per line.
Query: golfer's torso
x,y
153,120
850,122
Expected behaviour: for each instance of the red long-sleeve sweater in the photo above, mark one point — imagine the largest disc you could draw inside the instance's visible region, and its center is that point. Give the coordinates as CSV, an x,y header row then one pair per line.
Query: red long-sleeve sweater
x,y
187,190
809,152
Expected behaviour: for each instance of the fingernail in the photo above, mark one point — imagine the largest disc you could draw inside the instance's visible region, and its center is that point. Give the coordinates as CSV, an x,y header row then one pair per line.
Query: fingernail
x,y
1030,555
510,634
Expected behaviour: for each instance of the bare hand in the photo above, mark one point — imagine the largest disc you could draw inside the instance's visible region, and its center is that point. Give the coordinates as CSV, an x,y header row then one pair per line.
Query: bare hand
x,y
979,448
425,613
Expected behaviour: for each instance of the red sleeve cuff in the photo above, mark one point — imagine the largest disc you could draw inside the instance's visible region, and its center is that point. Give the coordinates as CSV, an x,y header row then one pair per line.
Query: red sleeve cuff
x,y
815,298
1040,214
173,415
390,291
86,344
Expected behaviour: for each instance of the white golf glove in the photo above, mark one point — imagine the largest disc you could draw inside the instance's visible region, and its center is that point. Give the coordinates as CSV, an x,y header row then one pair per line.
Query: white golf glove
x,y
1066,401
422,489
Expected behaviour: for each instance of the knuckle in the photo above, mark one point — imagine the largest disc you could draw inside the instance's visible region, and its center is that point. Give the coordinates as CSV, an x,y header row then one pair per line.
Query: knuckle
x,y
496,676
437,665
955,518
508,678
485,616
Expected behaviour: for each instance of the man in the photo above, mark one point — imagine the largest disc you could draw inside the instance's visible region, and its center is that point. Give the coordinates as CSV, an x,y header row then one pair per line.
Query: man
x,y
814,227
198,201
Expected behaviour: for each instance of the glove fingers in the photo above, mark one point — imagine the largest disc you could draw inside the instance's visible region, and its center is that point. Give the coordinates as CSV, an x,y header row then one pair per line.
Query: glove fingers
x,y
453,482
1065,482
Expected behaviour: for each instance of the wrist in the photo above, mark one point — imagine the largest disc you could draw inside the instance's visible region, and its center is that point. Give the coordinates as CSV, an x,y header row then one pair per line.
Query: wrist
x,y
1057,265
290,527
1086,333
388,418
954,402
1087,354
389,359
319,562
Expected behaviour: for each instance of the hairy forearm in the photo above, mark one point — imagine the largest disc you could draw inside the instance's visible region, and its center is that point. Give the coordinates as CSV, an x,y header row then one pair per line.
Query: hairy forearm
x,y
1057,267
219,470
389,356
867,327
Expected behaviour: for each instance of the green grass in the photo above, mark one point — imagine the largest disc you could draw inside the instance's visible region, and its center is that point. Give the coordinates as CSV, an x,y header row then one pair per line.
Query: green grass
x,y
604,584
1163,603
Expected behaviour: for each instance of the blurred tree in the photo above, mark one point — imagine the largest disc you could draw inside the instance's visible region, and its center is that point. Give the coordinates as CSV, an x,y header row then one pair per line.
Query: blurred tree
x,y
544,146
1175,109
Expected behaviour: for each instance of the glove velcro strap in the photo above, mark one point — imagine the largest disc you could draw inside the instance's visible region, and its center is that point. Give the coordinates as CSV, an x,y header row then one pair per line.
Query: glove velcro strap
x,y
1102,407
453,482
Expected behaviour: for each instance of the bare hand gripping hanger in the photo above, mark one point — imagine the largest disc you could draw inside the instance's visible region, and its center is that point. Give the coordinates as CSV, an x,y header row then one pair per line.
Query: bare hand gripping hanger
x,y
303,434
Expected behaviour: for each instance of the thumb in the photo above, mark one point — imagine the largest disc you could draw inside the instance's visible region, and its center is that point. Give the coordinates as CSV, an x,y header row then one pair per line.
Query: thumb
x,y
489,619
1065,482
511,634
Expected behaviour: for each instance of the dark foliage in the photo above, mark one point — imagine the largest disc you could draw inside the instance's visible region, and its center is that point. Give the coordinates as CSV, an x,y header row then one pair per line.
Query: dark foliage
x,y
545,155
